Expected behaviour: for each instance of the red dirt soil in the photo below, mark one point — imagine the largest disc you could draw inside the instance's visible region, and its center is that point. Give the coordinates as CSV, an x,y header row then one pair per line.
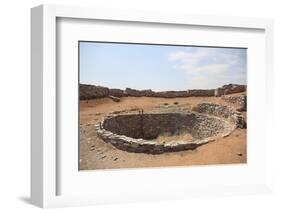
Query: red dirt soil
x,y
96,154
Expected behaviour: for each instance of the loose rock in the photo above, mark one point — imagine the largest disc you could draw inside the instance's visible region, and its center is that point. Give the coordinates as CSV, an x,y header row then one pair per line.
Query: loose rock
x,y
115,99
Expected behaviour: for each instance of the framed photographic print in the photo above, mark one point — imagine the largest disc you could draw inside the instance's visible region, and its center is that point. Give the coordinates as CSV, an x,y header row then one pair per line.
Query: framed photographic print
x,y
149,106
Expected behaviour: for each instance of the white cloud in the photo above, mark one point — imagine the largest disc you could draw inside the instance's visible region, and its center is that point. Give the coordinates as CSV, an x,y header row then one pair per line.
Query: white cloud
x,y
189,59
210,67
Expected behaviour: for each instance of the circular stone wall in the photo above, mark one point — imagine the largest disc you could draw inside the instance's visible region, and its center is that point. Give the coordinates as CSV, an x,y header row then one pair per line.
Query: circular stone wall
x,y
150,126
137,132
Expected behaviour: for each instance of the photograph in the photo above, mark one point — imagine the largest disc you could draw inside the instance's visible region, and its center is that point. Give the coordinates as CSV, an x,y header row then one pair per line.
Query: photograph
x,y
161,105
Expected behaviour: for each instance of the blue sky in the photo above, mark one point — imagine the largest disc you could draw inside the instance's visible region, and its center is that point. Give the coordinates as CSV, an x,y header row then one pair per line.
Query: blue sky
x,y
160,67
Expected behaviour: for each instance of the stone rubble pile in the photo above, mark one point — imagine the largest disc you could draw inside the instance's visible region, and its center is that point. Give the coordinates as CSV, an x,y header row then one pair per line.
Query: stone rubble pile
x,y
240,100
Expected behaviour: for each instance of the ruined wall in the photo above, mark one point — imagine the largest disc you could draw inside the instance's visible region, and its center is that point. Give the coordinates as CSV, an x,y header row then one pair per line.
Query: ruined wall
x,y
221,111
219,92
150,126
240,101
117,93
93,92
169,94
146,146
138,93
230,89
201,92
136,133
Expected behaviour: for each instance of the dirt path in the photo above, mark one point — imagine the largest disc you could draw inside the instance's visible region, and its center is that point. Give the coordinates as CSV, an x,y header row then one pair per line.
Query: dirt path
x,y
96,154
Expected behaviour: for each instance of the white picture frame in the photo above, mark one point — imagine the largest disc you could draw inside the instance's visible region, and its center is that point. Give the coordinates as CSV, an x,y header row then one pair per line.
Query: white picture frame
x,y
45,168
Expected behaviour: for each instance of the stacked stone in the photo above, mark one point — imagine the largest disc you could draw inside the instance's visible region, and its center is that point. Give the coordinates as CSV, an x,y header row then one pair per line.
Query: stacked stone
x,y
241,101
201,92
93,92
169,94
221,111
219,92
229,89
117,93
113,130
145,146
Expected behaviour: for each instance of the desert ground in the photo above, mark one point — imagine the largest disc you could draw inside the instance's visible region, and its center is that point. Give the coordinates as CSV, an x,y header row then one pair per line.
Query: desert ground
x,y
96,154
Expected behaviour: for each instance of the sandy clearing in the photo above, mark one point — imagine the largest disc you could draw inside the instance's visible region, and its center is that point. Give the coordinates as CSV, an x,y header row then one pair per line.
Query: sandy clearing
x,y
96,154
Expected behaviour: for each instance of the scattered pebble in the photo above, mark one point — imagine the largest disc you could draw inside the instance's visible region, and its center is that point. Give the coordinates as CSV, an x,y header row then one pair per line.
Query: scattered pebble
x,y
239,154
115,159
176,103
102,157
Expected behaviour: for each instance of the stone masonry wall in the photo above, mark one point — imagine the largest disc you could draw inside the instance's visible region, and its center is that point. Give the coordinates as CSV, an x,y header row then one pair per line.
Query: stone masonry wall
x,y
134,133
93,92
240,101
117,93
150,126
230,89
225,112
201,92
